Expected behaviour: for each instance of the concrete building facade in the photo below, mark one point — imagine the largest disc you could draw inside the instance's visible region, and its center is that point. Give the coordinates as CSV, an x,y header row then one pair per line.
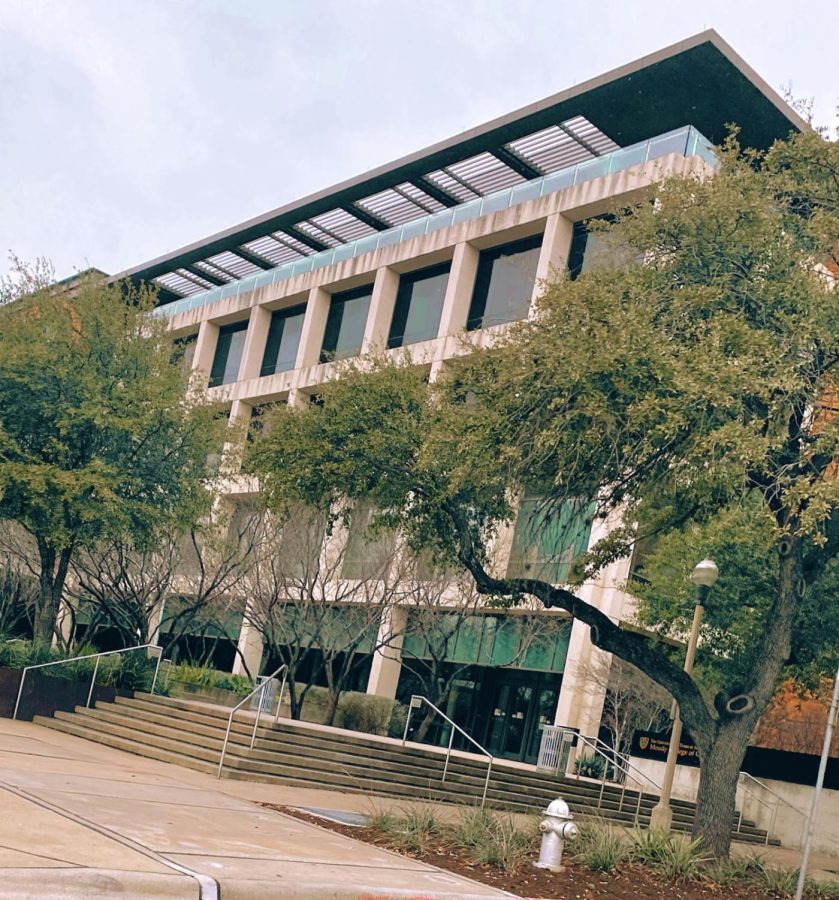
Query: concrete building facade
x,y
458,239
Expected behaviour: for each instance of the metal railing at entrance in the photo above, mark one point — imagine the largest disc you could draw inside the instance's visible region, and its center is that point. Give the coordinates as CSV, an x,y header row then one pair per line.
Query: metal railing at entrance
x,y
417,701
266,685
555,754
97,657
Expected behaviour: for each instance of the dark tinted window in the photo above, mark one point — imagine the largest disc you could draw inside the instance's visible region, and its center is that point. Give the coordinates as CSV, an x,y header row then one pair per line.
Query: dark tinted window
x,y
229,347
345,324
283,340
592,249
419,305
504,283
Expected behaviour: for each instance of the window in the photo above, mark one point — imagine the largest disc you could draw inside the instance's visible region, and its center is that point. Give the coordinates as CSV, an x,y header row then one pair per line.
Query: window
x,y
419,305
594,249
183,350
367,553
504,283
283,340
229,347
547,540
345,324
257,419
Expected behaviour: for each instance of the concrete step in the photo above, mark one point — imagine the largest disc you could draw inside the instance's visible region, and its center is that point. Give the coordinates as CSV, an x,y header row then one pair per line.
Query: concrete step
x,y
287,738
70,726
146,743
270,757
191,733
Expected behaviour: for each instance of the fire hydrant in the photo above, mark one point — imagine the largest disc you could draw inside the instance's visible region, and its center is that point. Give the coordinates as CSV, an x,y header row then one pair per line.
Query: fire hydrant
x,y
557,827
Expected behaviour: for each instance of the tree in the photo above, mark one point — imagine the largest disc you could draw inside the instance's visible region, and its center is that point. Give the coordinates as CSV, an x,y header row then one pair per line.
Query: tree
x,y
633,702
317,598
667,392
97,441
439,609
445,608
177,585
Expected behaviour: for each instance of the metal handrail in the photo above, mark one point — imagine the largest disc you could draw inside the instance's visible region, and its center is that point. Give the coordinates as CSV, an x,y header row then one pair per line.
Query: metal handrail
x,y
455,727
98,656
624,759
627,768
259,689
779,799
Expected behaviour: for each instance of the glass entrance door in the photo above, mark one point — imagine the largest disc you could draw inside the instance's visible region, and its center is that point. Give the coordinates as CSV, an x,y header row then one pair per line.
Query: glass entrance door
x,y
508,721
544,712
521,707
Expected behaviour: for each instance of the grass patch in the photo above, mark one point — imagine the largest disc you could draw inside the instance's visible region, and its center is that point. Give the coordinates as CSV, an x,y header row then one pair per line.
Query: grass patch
x,y
493,839
600,847
675,857
413,829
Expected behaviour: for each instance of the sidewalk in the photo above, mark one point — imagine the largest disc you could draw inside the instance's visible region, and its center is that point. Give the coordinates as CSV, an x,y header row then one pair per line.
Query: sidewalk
x,y
81,820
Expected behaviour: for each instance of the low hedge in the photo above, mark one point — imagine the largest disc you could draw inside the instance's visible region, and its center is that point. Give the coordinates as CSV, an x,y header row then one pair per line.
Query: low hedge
x,y
129,671
361,712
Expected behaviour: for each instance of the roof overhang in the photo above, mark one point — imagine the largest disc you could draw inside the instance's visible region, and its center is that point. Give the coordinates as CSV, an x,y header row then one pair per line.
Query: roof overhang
x,y
700,81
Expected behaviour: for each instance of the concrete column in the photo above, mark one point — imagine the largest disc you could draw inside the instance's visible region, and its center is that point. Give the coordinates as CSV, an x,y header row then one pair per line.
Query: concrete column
x,y
380,314
501,547
456,303
459,289
582,696
205,350
387,658
237,431
298,398
254,349
553,257
567,710
155,621
314,323
250,647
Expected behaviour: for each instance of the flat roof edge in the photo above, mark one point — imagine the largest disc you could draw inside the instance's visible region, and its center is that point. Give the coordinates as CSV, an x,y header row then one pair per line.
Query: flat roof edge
x,y
246,229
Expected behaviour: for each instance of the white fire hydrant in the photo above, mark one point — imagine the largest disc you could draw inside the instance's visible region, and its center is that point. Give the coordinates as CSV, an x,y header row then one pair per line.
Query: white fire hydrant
x,y
557,827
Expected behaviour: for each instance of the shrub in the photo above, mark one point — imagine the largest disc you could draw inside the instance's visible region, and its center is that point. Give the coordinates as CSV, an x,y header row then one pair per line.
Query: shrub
x,y
821,889
590,766
204,676
493,839
734,870
600,847
131,671
364,712
398,718
675,857
414,829
777,882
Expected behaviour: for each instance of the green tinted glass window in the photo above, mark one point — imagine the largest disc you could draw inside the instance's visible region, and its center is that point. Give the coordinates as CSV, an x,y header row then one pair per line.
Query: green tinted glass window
x,y
419,305
283,340
345,324
504,283
547,540
228,355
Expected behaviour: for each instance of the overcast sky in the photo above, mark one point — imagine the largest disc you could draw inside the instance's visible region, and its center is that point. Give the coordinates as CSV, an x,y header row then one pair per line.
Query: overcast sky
x,y
132,127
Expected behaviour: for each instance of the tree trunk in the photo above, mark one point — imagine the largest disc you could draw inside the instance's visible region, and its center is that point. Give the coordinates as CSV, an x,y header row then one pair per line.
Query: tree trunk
x,y
332,709
51,580
43,625
716,799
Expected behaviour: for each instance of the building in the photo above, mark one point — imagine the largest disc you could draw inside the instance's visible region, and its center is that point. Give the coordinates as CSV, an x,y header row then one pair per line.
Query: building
x,y
458,237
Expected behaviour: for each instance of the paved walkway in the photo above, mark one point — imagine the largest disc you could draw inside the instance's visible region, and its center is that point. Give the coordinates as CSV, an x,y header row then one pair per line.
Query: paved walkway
x,y
80,820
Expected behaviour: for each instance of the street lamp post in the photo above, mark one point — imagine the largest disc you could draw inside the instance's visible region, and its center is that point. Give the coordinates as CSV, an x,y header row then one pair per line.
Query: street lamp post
x,y
704,576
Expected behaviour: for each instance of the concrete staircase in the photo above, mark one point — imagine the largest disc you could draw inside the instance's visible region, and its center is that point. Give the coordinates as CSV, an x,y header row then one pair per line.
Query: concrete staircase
x,y
191,734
